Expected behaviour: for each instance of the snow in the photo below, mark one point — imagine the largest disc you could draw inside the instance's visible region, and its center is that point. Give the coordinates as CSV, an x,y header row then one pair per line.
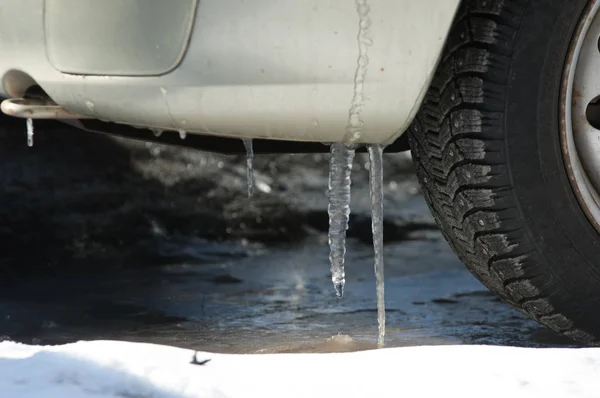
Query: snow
x,y
120,369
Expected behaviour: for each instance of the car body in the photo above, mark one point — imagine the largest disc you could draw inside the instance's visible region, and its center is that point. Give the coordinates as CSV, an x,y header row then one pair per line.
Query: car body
x,y
274,69
499,100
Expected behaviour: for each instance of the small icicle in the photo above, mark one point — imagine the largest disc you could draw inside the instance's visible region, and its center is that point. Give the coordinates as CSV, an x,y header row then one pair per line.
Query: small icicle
x,y
182,134
29,132
249,166
340,169
157,132
376,187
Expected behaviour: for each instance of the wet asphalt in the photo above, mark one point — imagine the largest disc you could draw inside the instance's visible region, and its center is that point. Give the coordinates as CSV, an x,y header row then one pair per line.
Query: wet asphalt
x,y
112,239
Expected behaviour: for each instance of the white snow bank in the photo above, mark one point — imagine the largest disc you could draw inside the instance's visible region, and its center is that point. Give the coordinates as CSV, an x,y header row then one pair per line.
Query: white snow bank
x,y
127,370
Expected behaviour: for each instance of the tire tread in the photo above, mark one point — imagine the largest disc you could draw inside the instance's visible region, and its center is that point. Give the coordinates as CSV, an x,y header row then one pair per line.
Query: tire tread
x,y
459,151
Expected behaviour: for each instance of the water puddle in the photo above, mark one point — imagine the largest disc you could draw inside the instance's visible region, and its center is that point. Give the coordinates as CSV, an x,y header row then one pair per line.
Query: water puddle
x,y
276,300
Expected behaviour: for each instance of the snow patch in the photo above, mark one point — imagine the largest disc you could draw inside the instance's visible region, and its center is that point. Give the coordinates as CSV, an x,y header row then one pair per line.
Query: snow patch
x,y
119,369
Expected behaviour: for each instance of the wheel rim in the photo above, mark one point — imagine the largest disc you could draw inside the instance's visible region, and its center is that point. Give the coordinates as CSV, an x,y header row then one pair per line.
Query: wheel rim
x,y
580,113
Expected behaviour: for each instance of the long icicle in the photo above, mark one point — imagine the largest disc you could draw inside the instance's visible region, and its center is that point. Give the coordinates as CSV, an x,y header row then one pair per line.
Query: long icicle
x,y
249,166
376,188
340,169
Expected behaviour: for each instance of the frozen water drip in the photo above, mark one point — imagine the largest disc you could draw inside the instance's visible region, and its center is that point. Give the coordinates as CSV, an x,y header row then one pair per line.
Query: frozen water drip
x,y
29,124
340,169
376,190
249,166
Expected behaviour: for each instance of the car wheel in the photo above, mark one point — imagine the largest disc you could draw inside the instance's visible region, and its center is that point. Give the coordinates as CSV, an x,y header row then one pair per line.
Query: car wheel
x,y
507,150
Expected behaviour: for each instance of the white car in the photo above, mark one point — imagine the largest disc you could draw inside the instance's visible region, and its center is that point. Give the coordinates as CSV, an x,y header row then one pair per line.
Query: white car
x,y
498,100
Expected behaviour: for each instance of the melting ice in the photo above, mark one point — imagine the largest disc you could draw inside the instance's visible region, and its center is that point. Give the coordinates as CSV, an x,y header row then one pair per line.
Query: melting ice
x,y
249,166
376,188
157,132
29,132
340,169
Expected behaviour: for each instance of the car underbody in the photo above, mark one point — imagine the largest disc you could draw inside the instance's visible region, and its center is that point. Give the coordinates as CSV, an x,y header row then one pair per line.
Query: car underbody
x,y
496,99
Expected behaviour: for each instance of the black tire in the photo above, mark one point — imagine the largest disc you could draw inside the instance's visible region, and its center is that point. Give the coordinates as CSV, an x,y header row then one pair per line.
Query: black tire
x,y
486,145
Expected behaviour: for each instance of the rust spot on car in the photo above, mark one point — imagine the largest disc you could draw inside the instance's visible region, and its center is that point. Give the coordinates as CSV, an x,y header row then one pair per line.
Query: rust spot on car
x,y
382,69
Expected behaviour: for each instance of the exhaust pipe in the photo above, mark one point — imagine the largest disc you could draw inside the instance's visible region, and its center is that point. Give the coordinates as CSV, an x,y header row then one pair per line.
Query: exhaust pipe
x,y
34,108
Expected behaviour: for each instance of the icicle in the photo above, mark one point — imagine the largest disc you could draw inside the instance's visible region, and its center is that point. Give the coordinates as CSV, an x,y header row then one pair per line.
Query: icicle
x,y
249,166
340,168
182,134
157,132
29,132
376,187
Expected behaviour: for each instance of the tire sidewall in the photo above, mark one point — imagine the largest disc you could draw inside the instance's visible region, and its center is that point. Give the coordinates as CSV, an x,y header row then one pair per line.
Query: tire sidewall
x,y
565,240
